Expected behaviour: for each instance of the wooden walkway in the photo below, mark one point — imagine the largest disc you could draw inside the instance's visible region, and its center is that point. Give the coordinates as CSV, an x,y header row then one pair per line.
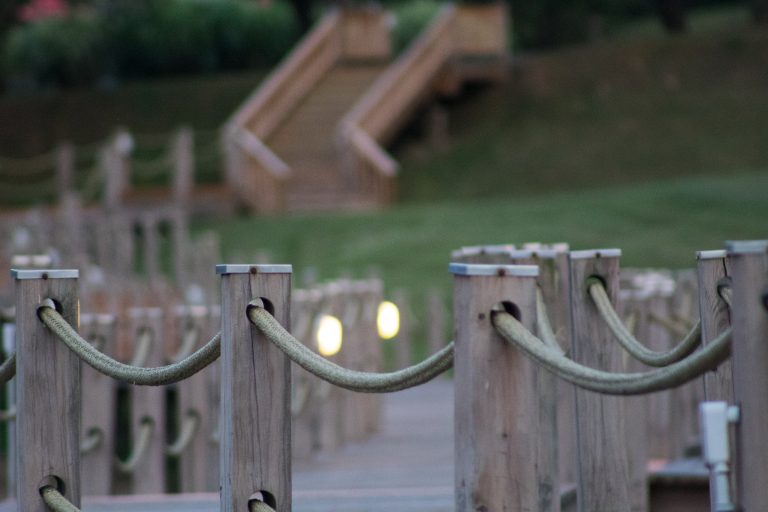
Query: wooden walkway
x,y
407,467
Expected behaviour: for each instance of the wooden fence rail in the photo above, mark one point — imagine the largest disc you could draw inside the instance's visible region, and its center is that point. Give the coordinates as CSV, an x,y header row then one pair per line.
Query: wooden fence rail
x,y
505,404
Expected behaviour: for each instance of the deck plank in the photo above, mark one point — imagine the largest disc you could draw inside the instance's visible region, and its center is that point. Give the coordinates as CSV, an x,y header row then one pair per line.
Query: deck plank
x,y
407,466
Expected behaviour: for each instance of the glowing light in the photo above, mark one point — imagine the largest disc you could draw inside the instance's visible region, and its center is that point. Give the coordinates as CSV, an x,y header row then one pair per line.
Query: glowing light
x,y
388,320
328,334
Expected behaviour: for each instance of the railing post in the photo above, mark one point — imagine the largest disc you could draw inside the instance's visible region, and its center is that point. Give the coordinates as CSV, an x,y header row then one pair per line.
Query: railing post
x,y
749,265
603,469
255,425
183,167
148,402
98,408
715,318
65,170
496,419
47,391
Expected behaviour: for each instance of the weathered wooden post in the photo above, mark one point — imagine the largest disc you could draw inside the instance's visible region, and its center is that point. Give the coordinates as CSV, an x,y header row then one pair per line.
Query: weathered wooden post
x,y
183,167
47,391
749,265
99,393
194,326
713,273
9,347
496,420
149,229
255,391
115,165
148,402
603,470
404,339
65,170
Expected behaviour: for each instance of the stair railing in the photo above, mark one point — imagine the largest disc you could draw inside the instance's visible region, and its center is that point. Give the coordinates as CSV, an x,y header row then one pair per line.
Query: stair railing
x,y
254,172
378,114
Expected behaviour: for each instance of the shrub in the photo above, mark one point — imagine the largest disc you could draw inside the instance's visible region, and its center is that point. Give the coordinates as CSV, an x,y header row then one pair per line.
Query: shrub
x,y
411,18
131,39
66,51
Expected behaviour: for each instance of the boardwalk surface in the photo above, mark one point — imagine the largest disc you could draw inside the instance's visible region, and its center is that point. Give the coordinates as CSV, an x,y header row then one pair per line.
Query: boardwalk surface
x,y
407,467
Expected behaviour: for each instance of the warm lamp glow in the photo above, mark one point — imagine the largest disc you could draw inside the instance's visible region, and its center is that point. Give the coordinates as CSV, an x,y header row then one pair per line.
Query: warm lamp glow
x,y
388,320
329,334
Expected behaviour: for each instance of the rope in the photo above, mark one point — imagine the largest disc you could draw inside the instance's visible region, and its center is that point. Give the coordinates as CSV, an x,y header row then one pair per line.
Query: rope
x,y
8,368
348,379
143,346
92,441
188,430
631,344
158,376
674,327
188,343
544,326
146,428
259,506
613,383
300,398
56,501
8,414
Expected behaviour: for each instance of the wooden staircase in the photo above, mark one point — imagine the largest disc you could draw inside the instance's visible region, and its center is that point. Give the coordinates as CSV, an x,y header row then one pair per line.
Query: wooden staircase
x,y
307,140
312,136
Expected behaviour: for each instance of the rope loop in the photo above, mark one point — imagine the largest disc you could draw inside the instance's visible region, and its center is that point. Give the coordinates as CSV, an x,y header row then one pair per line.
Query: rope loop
x,y
684,348
609,383
353,380
189,429
157,376
139,451
56,501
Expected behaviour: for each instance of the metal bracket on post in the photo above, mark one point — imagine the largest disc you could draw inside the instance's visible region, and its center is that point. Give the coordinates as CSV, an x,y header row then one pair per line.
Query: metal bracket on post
x,y
715,418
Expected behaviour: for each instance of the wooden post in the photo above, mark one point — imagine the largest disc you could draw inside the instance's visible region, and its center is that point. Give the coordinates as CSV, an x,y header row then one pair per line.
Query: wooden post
x,y
149,228
9,347
331,414
98,408
255,391
47,391
498,463
713,272
749,264
65,170
148,403
194,400
180,236
183,167
603,472
404,340
436,336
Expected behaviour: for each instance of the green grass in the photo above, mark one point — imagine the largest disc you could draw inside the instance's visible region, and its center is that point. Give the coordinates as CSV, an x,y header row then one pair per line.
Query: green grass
x,y
702,20
657,224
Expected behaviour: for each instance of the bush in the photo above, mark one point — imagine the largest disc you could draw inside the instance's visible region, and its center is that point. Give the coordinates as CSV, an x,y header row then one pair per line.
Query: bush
x,y
411,19
66,51
130,39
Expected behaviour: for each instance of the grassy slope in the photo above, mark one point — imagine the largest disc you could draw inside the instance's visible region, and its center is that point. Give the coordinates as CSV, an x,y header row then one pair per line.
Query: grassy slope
x,y
659,224
607,114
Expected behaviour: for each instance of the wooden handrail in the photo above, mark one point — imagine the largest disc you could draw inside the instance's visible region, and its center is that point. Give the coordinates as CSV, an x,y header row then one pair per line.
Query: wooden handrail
x,y
387,99
372,152
290,70
256,149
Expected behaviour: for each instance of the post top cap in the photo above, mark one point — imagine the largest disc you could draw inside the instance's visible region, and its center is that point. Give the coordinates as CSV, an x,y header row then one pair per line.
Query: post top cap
x,y
470,269
595,253
21,274
746,246
254,269
711,255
